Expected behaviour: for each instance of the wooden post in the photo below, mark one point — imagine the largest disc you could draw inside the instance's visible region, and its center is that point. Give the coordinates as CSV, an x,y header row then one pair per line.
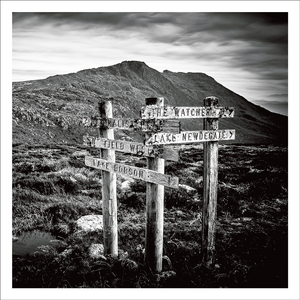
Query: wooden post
x,y
109,188
154,209
210,186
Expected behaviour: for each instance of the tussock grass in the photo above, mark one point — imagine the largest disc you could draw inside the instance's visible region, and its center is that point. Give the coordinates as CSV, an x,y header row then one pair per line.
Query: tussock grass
x,y
52,189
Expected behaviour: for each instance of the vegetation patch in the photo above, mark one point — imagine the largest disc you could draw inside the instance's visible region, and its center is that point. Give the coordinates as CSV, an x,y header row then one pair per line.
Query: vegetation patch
x,y
52,189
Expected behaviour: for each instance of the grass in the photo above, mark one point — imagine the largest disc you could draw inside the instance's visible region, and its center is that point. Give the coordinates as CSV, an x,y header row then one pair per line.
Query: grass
x,y
52,188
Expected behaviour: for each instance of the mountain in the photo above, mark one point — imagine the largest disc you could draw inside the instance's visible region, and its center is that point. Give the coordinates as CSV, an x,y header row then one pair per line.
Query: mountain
x,y
50,110
277,103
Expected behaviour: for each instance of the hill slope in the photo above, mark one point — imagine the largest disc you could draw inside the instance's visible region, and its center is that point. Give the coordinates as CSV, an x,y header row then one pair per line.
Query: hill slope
x,y
50,110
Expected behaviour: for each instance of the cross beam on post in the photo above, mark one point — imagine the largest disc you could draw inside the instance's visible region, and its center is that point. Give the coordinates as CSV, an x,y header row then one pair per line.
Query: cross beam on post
x,y
109,188
210,186
154,209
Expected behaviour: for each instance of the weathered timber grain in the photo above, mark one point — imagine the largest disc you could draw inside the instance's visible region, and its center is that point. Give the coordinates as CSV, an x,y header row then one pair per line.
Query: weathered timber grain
x,y
154,210
210,187
133,172
109,188
187,137
183,112
153,125
138,149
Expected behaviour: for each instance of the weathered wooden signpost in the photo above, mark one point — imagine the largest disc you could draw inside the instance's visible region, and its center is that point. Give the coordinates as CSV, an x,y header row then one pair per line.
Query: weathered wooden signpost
x,y
153,175
161,128
210,135
210,186
109,188
154,209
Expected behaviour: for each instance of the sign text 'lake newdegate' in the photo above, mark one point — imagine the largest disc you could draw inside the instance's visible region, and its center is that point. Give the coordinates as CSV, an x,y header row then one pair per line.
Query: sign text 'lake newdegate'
x,y
186,137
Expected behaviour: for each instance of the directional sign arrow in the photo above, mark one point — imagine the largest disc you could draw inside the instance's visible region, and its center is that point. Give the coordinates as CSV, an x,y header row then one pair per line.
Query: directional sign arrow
x,y
138,149
134,172
153,125
187,137
182,112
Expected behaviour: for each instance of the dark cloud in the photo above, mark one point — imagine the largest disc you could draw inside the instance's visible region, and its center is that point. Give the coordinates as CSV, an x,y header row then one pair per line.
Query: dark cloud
x,y
205,27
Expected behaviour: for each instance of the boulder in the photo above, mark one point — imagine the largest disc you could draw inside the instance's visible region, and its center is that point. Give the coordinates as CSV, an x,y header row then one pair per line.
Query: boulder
x,y
90,223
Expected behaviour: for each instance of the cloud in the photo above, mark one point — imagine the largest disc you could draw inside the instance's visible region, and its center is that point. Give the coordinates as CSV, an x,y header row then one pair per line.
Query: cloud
x,y
226,45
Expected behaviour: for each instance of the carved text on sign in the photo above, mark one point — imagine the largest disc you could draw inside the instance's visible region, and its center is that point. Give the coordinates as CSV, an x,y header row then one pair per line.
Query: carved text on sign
x,y
132,124
134,172
186,137
138,149
173,112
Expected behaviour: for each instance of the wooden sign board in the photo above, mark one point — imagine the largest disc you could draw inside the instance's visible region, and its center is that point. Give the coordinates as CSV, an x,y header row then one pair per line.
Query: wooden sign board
x,y
186,137
134,172
173,112
153,125
131,147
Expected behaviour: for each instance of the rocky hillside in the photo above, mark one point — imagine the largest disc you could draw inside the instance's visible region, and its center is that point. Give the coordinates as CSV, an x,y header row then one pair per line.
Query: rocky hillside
x,y
50,110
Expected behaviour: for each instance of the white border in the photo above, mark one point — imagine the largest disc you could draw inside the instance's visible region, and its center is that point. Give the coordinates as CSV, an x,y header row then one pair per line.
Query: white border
x,y
7,7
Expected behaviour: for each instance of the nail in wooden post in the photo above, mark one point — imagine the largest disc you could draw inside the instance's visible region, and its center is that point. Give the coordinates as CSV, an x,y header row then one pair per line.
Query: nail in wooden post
x,y
109,195
210,186
154,209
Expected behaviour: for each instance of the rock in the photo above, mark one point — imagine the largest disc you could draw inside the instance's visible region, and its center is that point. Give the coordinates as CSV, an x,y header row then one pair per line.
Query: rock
x,y
90,223
125,185
180,213
187,188
80,153
97,251
14,238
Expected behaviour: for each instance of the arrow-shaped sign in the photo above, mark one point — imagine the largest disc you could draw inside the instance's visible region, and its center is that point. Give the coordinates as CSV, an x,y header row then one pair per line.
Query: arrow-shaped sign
x,y
134,172
182,112
153,125
138,149
187,137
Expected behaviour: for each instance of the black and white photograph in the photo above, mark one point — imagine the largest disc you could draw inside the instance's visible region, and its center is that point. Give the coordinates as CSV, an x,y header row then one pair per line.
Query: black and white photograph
x,y
150,149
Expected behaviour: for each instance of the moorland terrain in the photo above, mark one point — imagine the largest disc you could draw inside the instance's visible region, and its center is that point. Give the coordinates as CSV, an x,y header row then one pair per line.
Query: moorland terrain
x,y
52,187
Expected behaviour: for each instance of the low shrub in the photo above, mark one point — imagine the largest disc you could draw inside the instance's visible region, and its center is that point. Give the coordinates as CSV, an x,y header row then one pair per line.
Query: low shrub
x,y
138,186
47,186
180,198
65,212
133,200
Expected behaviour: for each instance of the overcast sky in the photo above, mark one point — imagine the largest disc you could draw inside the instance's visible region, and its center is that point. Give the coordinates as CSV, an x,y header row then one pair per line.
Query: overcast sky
x,y
246,52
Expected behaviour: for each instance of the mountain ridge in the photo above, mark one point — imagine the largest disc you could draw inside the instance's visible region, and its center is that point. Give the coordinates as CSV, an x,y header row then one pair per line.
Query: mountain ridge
x,y
50,109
